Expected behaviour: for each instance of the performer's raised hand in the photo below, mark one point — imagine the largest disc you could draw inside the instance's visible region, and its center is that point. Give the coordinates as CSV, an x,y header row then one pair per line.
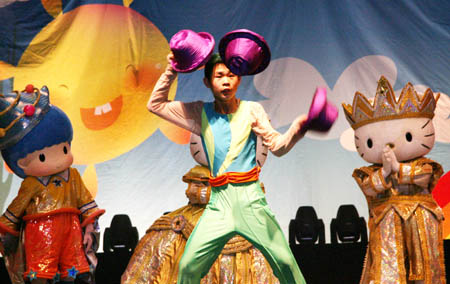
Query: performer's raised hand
x,y
170,57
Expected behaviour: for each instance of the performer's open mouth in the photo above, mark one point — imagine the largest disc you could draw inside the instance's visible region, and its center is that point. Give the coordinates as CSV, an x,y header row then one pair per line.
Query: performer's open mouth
x,y
103,116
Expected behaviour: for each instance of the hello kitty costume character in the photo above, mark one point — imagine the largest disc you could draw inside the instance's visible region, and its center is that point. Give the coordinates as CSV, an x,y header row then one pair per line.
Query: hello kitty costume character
x,y
405,223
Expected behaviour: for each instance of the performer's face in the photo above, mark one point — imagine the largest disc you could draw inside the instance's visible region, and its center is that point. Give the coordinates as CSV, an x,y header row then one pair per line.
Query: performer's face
x,y
47,161
223,84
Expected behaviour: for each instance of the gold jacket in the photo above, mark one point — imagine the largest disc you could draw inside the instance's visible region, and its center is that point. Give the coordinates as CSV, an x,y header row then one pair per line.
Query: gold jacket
x,y
45,196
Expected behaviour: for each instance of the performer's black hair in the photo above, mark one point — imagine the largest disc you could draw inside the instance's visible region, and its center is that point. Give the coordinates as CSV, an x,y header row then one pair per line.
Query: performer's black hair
x,y
209,67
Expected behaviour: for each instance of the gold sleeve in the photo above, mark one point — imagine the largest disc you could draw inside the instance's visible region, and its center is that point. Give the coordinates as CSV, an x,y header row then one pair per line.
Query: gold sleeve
x,y
86,204
371,180
408,172
428,166
11,219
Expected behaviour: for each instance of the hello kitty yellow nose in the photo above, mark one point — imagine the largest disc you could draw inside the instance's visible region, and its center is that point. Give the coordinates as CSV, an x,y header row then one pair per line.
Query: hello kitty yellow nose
x,y
391,145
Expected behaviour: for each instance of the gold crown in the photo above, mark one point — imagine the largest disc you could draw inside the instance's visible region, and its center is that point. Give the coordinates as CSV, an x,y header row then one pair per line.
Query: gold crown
x,y
385,106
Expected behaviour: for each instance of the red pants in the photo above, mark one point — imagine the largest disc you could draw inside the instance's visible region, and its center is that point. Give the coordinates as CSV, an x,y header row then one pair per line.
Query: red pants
x,y
54,244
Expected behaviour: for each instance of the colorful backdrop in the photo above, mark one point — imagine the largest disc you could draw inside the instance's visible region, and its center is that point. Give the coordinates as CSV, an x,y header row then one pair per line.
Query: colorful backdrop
x,y
100,60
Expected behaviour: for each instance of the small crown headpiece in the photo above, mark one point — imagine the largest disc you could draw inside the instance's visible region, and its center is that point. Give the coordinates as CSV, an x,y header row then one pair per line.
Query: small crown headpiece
x,y
20,112
385,106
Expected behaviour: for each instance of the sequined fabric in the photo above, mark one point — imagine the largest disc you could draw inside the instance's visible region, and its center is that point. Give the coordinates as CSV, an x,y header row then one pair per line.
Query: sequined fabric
x,y
405,242
36,200
156,257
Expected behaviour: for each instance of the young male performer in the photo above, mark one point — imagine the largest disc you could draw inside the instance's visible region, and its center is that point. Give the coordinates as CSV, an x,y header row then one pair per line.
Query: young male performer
x,y
228,127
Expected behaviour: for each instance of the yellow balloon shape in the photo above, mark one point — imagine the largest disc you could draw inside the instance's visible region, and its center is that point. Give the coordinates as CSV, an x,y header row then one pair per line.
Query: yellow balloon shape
x,y
100,63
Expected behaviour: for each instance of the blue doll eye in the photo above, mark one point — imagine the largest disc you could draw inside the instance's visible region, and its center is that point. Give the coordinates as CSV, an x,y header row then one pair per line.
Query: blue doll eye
x,y
65,150
42,157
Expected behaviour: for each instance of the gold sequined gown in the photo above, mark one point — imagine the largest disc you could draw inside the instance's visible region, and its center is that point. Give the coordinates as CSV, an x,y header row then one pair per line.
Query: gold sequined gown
x,y
405,224
156,257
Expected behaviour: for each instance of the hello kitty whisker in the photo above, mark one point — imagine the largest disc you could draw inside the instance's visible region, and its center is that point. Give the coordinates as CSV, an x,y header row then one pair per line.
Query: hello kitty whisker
x,y
426,124
428,135
356,137
426,146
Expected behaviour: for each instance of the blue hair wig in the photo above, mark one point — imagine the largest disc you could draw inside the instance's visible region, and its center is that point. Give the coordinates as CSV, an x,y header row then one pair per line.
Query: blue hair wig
x,y
54,128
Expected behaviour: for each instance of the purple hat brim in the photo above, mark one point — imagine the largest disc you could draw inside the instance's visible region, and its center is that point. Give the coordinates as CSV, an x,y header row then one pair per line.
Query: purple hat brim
x,y
244,33
201,60
322,114
317,105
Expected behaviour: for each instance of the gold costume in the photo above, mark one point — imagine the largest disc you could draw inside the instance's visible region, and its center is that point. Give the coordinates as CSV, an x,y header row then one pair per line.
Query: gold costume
x,y
158,253
45,196
405,224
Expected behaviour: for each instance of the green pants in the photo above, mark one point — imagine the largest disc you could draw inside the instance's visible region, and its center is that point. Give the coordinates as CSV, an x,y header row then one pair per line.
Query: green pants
x,y
237,209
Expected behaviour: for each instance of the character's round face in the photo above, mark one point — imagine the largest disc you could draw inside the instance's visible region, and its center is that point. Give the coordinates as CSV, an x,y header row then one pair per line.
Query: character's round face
x,y
408,137
103,63
47,161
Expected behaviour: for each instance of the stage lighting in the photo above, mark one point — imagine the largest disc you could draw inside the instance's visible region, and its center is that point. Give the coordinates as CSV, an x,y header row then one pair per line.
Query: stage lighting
x,y
348,227
306,228
119,242
120,236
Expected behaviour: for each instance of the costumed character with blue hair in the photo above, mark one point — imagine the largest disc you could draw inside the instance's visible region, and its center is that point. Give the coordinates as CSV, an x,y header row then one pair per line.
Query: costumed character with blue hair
x,y
53,207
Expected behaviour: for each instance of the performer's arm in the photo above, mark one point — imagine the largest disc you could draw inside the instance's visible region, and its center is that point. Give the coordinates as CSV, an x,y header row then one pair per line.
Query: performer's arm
x,y
86,204
184,115
418,173
279,144
371,181
11,219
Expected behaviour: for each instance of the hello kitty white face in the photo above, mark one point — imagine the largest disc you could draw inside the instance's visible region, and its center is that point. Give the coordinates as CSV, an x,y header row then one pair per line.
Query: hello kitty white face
x,y
409,138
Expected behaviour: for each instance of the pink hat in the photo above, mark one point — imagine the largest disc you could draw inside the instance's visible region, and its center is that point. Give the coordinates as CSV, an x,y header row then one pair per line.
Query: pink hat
x,y
191,50
244,52
322,114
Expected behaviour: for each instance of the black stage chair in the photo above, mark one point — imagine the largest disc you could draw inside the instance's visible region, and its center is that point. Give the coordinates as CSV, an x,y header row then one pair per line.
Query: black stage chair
x,y
306,228
119,242
348,227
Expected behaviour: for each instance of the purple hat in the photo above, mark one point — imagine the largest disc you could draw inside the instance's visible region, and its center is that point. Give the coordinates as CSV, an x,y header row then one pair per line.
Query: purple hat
x,y
191,50
244,52
322,114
